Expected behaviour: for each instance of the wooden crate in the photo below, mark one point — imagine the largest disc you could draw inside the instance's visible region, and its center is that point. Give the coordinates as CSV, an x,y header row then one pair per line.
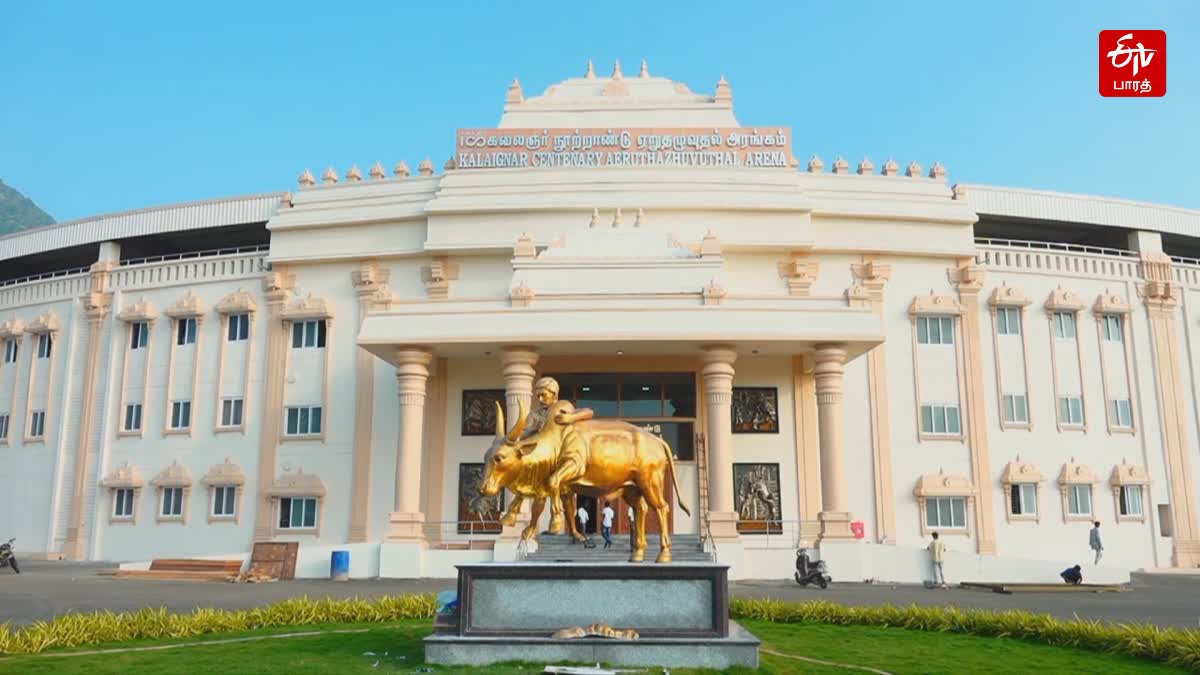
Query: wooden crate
x,y
276,559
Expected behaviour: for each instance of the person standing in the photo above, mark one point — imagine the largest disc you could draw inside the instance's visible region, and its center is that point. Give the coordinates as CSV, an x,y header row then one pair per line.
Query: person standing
x,y
1095,543
582,516
937,550
606,524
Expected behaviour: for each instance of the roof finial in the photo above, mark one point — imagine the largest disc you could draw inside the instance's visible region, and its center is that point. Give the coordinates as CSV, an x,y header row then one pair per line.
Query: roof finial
x,y
329,177
591,71
724,93
840,165
401,170
306,179
514,93
890,168
450,164
865,167
937,172
617,218
354,174
913,170
617,70
641,218
595,218
815,165
425,168
377,171
645,72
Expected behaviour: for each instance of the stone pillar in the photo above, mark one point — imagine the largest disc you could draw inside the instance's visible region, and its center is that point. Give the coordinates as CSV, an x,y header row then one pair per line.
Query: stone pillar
x,y
718,398
368,283
412,373
829,374
276,288
518,366
518,363
1162,299
969,280
96,304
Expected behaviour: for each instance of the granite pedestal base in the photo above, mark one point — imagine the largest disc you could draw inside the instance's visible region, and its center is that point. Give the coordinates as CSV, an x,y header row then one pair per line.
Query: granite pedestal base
x,y
508,611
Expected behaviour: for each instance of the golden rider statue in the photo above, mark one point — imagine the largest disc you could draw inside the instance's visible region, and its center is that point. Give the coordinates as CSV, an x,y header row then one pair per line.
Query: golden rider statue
x,y
571,456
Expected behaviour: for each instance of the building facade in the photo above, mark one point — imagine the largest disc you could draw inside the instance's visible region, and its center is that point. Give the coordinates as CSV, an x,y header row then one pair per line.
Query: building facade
x,y
849,357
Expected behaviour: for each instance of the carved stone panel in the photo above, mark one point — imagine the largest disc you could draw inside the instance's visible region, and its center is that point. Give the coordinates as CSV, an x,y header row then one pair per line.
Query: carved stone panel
x,y
477,514
755,410
479,411
757,498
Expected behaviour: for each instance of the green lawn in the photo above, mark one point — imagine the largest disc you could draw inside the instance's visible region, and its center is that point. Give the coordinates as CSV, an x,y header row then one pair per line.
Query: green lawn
x,y
397,648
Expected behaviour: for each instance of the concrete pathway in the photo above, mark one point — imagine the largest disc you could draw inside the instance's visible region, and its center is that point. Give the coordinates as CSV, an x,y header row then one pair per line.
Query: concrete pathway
x,y
46,589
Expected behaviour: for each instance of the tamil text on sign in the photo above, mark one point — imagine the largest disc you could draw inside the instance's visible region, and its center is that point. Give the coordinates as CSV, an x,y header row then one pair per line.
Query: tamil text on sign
x,y
553,148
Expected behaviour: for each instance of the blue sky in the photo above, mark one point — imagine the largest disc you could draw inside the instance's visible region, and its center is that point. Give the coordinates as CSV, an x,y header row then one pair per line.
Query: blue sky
x,y
143,103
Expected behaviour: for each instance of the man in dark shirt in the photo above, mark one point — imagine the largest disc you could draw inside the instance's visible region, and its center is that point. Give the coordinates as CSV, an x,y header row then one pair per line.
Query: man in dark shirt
x,y
1072,575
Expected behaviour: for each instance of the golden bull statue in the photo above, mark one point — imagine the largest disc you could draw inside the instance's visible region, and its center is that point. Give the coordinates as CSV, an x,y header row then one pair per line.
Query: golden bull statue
x,y
618,459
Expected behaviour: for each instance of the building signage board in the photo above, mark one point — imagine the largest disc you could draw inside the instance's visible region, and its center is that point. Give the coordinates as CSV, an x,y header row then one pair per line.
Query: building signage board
x,y
758,147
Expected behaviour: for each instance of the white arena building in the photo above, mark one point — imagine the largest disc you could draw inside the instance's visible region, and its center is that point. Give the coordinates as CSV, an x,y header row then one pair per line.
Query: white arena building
x,y
848,356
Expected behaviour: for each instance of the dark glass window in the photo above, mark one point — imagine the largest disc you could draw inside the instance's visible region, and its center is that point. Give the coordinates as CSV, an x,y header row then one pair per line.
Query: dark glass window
x,y
598,392
680,395
641,396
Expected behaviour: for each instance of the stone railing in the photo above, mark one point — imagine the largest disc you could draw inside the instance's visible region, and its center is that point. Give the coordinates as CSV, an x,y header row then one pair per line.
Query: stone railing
x,y
1053,258
193,267
44,287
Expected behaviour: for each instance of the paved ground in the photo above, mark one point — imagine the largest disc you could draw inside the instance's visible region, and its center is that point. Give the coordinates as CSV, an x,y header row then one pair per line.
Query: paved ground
x,y
46,589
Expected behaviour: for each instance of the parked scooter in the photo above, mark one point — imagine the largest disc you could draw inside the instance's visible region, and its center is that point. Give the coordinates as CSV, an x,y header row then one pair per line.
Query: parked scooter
x,y
809,572
7,559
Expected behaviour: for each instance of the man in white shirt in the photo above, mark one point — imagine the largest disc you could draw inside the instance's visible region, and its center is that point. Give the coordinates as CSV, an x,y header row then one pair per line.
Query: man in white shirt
x,y
606,524
582,516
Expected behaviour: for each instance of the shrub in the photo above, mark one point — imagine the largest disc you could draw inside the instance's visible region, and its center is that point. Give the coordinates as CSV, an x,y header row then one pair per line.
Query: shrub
x,y
1170,645
74,630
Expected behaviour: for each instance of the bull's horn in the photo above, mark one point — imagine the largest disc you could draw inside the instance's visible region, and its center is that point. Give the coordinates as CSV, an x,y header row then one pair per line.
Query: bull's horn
x,y
499,420
519,427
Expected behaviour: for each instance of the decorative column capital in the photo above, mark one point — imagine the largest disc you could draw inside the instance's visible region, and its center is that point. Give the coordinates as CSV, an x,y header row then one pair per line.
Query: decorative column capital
x,y
718,372
412,371
519,357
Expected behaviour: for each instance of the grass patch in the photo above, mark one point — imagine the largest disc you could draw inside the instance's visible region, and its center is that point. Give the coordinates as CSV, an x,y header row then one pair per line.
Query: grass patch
x,y
893,649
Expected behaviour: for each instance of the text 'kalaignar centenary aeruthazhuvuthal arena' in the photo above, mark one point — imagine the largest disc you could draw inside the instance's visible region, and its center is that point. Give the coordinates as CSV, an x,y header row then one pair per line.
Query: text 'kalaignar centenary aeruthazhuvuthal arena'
x,y
846,356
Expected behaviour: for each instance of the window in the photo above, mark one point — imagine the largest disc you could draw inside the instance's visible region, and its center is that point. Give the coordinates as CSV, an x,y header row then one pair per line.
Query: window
x,y
308,334
37,424
239,327
297,513
1070,410
1131,500
1122,413
10,351
1079,500
1024,499
304,420
1008,320
181,414
123,503
45,343
1016,408
172,502
185,331
133,417
1112,328
4,427
224,501
1064,325
935,330
662,403
231,412
946,513
139,335
940,419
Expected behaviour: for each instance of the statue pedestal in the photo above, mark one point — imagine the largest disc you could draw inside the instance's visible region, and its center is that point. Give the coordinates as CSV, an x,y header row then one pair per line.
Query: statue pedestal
x,y
508,612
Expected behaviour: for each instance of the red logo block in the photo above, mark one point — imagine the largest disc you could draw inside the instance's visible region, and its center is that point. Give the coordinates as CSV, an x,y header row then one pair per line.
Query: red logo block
x,y
1133,63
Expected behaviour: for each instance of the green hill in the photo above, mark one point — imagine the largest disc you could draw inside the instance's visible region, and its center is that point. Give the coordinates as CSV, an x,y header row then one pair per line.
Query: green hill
x,y
18,212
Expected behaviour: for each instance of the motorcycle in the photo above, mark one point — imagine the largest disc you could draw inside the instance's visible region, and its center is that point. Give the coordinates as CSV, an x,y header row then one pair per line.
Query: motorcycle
x,y
7,559
809,572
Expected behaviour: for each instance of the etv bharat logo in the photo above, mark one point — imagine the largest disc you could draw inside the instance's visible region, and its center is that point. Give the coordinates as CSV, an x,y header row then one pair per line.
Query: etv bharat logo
x,y
1133,63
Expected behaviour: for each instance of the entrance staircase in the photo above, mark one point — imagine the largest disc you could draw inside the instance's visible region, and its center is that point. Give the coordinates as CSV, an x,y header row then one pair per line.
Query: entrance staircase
x,y
562,548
